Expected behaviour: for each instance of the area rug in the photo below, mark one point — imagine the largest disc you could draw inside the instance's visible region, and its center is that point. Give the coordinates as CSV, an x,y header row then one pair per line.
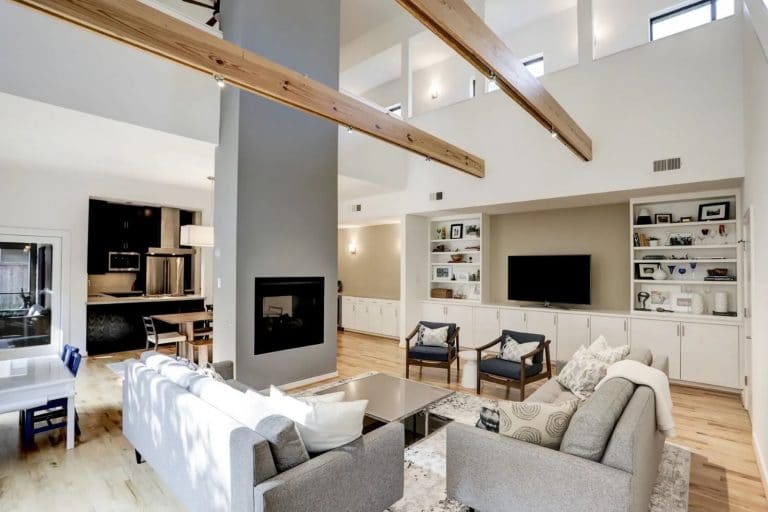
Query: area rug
x,y
425,461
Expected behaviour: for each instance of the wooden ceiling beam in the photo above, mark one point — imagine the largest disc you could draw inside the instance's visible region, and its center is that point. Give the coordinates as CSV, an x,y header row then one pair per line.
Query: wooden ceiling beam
x,y
148,29
462,29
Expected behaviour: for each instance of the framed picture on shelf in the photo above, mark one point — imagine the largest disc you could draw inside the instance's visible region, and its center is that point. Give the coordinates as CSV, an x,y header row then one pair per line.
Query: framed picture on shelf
x,y
663,218
462,276
472,230
441,273
686,219
659,298
714,211
457,231
646,270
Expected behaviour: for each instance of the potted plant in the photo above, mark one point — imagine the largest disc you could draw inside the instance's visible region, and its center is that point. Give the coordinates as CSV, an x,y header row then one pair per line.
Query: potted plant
x,y
653,241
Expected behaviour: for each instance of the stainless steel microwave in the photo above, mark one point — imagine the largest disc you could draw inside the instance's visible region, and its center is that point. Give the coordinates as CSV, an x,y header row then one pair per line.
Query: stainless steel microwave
x,y
124,262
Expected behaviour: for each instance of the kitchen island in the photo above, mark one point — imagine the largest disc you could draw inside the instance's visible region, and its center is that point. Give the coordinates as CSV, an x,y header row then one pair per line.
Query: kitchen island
x,y
115,323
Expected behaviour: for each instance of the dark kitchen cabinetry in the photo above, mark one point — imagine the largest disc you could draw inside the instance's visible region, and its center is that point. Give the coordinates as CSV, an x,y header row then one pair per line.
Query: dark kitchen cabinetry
x,y
119,228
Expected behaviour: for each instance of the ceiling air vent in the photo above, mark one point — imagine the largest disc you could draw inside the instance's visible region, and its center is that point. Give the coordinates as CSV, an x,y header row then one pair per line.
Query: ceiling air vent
x,y
356,207
436,196
670,164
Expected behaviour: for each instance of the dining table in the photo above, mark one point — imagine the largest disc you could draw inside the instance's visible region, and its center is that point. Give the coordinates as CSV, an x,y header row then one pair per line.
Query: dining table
x,y
185,322
34,381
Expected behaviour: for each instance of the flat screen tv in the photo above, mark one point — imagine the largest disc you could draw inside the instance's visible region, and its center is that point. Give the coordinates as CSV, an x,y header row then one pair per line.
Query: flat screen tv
x,y
550,279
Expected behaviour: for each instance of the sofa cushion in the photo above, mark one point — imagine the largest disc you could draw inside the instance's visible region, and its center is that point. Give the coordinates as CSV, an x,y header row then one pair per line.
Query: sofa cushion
x,y
641,354
508,369
323,426
606,353
541,424
582,373
552,392
287,448
430,353
238,405
592,425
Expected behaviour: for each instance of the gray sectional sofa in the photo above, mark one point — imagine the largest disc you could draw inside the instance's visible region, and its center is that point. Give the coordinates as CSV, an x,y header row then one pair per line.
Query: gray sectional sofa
x,y
608,461
211,462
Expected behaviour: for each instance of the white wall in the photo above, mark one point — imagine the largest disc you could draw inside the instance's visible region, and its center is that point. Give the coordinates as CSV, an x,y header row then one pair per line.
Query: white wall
x,y
638,106
55,62
624,24
46,200
756,196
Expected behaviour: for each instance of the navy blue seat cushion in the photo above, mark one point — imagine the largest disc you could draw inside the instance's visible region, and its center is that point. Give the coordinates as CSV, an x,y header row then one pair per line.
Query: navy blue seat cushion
x,y
427,353
438,325
524,337
508,369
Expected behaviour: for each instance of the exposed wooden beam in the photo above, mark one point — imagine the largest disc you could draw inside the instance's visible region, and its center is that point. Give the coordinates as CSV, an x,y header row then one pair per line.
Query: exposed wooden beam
x,y
458,25
143,27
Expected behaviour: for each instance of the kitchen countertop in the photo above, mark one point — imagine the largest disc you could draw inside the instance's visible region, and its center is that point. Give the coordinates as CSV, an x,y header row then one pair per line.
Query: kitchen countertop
x,y
104,299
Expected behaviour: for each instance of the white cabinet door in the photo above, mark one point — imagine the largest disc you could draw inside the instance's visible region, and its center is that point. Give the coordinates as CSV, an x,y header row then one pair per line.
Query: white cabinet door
x,y
486,326
710,354
432,312
661,337
541,322
572,332
362,316
463,317
375,317
614,328
512,320
347,313
390,323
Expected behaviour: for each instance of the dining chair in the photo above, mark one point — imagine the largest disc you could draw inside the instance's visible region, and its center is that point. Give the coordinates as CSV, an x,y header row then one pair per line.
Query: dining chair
x,y
163,338
206,331
53,415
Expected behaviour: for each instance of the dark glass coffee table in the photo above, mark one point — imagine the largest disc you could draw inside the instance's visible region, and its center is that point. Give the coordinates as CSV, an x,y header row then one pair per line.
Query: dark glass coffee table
x,y
393,399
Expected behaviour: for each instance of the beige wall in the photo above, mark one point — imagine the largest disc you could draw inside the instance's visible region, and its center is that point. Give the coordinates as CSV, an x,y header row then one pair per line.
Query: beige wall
x,y
602,231
375,270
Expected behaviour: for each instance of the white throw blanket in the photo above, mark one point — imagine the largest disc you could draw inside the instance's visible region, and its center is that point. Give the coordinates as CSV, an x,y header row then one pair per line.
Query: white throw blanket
x,y
643,375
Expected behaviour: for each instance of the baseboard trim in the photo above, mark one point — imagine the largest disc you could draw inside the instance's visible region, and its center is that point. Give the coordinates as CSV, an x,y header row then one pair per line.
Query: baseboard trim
x,y
311,380
761,464
373,334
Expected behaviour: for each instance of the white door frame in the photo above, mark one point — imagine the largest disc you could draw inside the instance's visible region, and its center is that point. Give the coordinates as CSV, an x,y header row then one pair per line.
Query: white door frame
x,y
747,275
60,307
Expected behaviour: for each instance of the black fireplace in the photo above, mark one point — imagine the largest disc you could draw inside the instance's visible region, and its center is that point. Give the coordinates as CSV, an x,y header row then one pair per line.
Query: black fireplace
x,y
289,313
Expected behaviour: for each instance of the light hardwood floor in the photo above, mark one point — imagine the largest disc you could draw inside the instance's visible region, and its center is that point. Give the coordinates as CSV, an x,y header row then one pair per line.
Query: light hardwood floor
x,y
100,474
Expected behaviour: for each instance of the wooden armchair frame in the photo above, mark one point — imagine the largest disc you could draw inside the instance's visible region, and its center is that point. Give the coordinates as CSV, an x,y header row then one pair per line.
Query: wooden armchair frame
x,y
453,342
524,379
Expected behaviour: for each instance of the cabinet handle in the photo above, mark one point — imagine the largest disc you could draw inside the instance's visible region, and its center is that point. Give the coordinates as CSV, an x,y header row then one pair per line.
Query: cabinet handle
x,y
678,329
683,327
498,315
525,318
589,323
625,326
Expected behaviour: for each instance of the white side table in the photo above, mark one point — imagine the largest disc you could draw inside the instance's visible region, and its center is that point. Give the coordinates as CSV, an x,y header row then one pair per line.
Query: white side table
x,y
468,369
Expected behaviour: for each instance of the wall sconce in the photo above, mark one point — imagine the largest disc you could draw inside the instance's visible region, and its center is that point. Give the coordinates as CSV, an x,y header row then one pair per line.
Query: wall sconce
x,y
352,248
434,91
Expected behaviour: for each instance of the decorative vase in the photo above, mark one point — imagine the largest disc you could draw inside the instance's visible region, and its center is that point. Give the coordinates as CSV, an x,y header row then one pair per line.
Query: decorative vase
x,y
659,274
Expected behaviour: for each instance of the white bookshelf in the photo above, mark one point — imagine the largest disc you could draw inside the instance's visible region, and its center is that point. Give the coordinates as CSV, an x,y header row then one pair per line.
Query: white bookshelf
x,y
456,264
714,245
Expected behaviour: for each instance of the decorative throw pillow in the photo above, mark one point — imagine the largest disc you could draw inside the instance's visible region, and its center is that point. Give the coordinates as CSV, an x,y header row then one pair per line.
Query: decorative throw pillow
x,y
582,373
433,337
512,350
323,426
285,443
542,424
210,372
606,353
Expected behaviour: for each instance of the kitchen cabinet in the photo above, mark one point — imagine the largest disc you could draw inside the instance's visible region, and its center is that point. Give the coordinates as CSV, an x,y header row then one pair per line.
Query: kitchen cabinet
x,y
512,320
541,322
709,354
432,312
661,337
373,316
614,328
572,332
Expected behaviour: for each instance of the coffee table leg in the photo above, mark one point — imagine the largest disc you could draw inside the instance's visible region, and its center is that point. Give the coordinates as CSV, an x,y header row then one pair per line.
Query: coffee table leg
x,y
426,422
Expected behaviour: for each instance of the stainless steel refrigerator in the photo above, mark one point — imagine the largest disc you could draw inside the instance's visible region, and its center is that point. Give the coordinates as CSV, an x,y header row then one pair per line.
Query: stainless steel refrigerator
x,y
165,275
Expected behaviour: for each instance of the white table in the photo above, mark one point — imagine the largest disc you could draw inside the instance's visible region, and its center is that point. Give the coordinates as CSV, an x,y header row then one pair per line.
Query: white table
x,y
32,382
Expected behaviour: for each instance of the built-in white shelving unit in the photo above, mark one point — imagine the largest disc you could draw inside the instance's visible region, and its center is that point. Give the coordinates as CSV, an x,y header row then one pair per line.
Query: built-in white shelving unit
x,y
456,257
688,249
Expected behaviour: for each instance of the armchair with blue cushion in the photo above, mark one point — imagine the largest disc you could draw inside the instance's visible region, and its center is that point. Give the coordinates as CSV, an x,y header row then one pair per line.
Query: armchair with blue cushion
x,y
433,356
511,373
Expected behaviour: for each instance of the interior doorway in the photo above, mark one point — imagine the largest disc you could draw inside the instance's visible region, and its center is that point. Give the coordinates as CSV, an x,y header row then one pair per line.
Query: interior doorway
x,y
746,246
